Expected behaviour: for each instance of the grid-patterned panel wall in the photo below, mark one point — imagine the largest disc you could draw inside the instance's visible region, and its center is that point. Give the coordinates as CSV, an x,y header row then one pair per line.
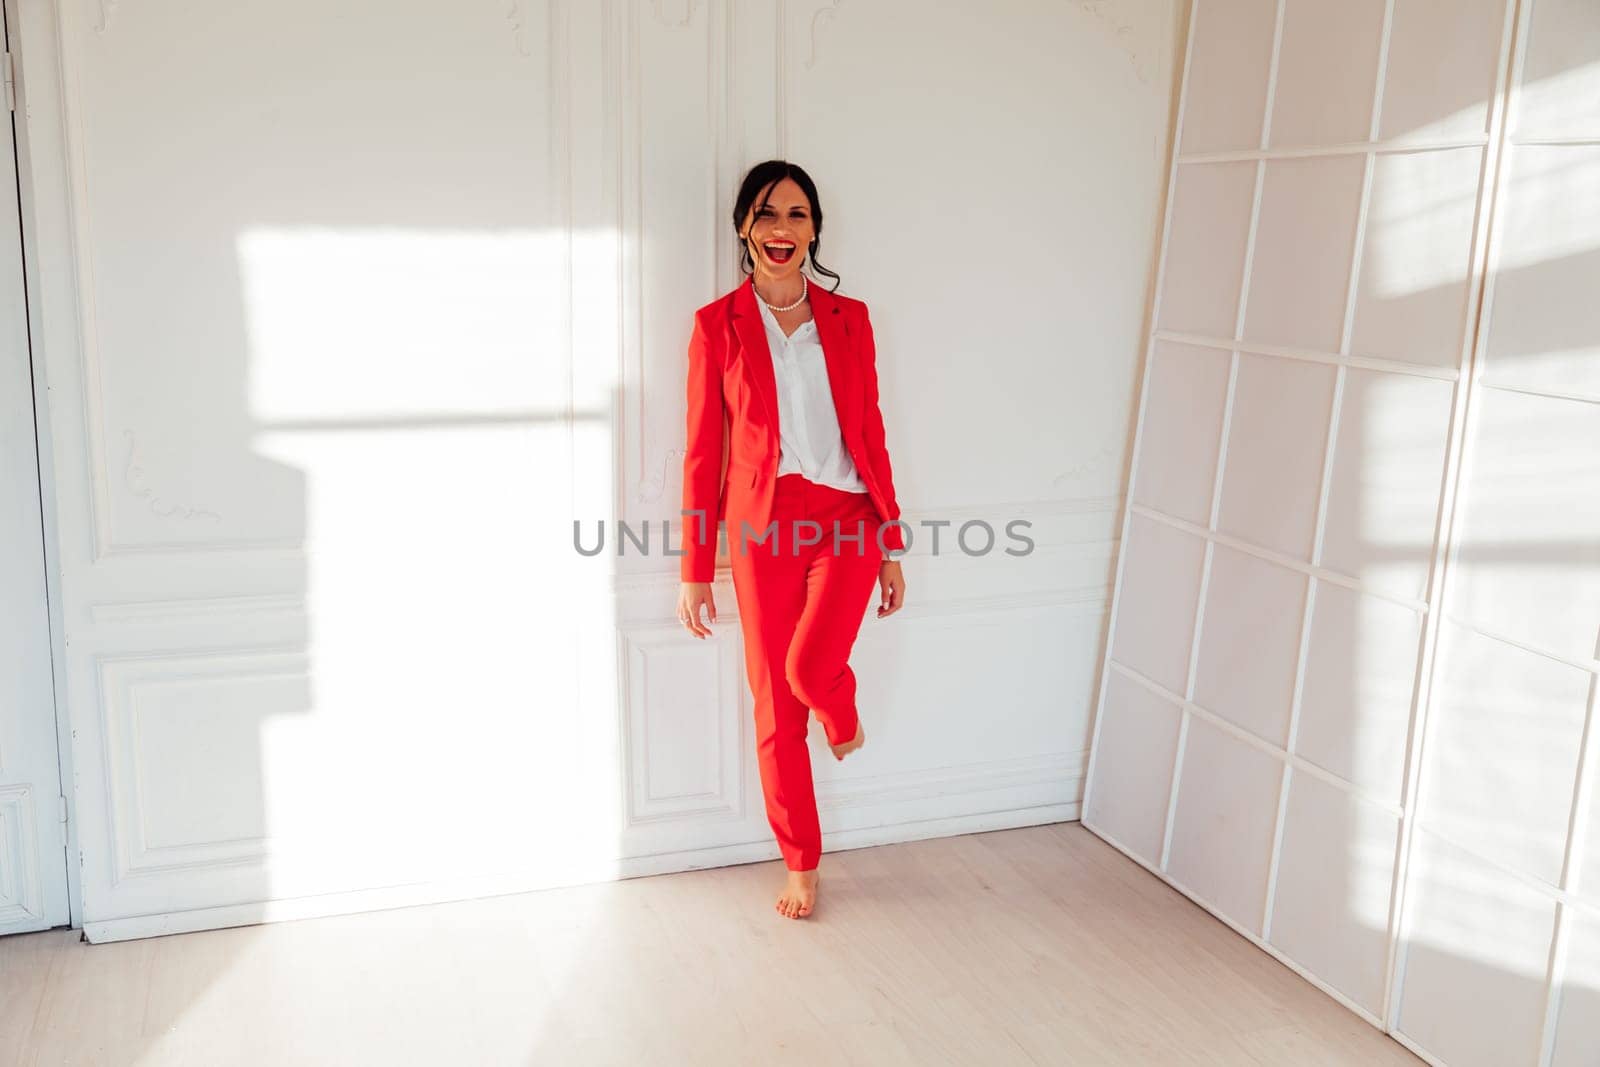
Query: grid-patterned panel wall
x,y
1298,430
1500,923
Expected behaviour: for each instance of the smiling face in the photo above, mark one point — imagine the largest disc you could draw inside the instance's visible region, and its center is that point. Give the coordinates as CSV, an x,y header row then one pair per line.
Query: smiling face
x,y
779,231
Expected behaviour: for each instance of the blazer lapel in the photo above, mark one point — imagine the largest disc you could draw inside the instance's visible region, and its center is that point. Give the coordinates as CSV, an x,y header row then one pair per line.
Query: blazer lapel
x,y
752,333
836,354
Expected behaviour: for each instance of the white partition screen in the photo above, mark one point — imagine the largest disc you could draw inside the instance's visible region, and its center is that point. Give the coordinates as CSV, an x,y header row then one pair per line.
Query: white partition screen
x,y
1301,422
1500,922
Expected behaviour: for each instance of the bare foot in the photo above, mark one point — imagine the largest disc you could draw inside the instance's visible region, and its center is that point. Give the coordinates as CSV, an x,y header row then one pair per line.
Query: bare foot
x,y
841,751
799,896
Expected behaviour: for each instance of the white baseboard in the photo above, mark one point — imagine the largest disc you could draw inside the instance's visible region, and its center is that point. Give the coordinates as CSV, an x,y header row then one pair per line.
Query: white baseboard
x,y
155,925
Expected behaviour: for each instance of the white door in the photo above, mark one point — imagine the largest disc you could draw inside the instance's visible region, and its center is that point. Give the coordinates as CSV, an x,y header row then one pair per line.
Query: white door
x,y
33,873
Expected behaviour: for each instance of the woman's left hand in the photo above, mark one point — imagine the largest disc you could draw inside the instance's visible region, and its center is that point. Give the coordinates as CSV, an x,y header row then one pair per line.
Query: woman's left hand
x,y
893,585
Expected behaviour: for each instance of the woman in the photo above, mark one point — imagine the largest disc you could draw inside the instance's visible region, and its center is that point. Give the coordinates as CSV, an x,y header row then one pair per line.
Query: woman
x,y
808,496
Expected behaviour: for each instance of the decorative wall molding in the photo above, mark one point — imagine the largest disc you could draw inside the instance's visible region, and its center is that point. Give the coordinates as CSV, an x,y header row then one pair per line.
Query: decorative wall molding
x,y
78,225
723,796
107,10
655,475
121,677
661,585
518,23
1092,600
820,16
655,481
133,476
679,21
1010,509
1057,768
21,890
197,609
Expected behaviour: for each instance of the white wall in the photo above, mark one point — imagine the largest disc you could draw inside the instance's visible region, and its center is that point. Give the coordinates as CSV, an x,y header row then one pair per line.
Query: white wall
x,y
346,316
1349,695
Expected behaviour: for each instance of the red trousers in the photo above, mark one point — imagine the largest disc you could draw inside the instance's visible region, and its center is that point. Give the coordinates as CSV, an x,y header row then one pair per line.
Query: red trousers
x,y
802,596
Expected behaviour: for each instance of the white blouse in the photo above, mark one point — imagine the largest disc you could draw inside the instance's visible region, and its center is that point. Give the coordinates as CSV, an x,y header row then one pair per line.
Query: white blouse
x,y
809,441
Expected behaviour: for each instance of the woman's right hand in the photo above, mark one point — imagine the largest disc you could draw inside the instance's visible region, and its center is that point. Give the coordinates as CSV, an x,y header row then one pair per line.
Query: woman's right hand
x,y
690,596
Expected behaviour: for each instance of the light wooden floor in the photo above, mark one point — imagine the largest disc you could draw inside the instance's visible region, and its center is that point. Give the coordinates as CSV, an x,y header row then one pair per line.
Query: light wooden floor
x,y
1034,946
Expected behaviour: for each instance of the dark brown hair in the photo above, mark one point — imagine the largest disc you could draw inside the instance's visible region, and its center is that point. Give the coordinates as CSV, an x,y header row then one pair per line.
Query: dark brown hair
x,y
759,182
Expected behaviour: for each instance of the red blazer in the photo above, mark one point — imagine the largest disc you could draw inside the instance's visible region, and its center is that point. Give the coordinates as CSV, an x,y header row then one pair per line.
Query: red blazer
x,y
730,473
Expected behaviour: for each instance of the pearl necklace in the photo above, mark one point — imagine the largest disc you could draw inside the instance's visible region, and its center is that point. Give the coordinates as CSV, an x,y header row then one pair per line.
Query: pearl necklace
x,y
791,307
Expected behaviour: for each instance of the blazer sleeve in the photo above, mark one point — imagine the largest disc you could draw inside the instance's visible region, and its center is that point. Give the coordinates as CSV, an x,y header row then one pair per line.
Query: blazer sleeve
x,y
702,460
873,432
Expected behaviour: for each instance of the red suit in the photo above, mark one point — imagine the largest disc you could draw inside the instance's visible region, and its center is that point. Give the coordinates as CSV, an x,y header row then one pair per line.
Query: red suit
x,y
802,590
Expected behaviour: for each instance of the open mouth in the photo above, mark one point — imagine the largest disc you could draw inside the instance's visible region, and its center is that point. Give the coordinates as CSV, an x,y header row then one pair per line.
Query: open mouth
x,y
780,252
